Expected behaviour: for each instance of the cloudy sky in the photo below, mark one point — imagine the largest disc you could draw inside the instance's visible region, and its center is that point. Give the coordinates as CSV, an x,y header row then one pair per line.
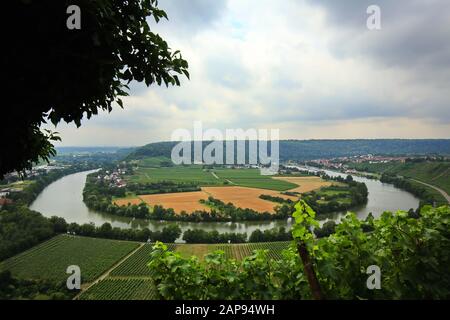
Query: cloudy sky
x,y
310,68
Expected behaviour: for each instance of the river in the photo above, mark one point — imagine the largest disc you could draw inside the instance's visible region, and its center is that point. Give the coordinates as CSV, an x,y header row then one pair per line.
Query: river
x,y
64,198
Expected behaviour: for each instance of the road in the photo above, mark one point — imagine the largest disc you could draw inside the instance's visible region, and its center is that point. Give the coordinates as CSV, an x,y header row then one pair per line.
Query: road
x,y
445,194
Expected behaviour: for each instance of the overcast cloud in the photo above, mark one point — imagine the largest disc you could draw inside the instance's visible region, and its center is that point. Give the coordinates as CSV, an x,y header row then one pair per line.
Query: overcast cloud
x,y
310,68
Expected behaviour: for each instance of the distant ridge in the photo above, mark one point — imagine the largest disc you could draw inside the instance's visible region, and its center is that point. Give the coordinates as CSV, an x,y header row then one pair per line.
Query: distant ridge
x,y
303,150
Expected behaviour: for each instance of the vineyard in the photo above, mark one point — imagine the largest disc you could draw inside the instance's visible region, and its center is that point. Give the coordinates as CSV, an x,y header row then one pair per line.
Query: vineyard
x,y
136,264
50,259
240,251
129,279
121,289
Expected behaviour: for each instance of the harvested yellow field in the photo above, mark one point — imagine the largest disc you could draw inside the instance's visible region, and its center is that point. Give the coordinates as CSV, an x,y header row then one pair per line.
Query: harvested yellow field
x,y
305,184
125,202
179,201
244,197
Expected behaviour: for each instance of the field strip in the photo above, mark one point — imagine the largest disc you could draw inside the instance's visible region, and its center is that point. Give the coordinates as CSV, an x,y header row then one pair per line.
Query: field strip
x,y
107,272
445,194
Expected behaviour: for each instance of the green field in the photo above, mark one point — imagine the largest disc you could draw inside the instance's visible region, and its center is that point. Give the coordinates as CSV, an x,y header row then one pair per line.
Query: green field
x,y
252,178
149,170
49,260
180,174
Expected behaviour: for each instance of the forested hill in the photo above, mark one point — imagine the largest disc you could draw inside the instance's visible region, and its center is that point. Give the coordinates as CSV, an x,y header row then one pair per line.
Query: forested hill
x,y
313,149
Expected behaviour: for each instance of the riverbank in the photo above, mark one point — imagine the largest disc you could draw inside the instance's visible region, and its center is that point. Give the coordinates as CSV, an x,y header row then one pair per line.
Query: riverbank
x,y
64,198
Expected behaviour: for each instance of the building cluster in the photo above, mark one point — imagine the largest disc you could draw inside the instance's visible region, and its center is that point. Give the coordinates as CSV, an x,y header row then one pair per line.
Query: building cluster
x,y
340,162
4,193
35,172
114,178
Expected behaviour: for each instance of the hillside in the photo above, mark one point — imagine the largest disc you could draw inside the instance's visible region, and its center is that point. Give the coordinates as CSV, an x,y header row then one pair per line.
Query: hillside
x,y
303,150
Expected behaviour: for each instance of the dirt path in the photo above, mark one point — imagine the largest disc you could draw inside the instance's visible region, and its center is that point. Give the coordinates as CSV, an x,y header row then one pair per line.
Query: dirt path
x,y
214,175
440,175
445,194
107,272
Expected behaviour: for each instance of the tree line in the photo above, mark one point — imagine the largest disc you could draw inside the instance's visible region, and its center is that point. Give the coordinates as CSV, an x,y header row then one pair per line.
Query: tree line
x,y
269,235
22,228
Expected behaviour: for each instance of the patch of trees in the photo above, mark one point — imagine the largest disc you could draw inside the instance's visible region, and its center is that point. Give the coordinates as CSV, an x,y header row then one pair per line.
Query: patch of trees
x,y
270,235
275,199
291,193
12,288
167,234
202,236
22,228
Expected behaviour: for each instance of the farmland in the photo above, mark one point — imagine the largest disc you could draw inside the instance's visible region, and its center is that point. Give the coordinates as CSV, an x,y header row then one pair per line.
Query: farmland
x,y
193,174
153,170
128,278
253,179
50,259
136,264
239,186
121,289
187,201
241,197
305,184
